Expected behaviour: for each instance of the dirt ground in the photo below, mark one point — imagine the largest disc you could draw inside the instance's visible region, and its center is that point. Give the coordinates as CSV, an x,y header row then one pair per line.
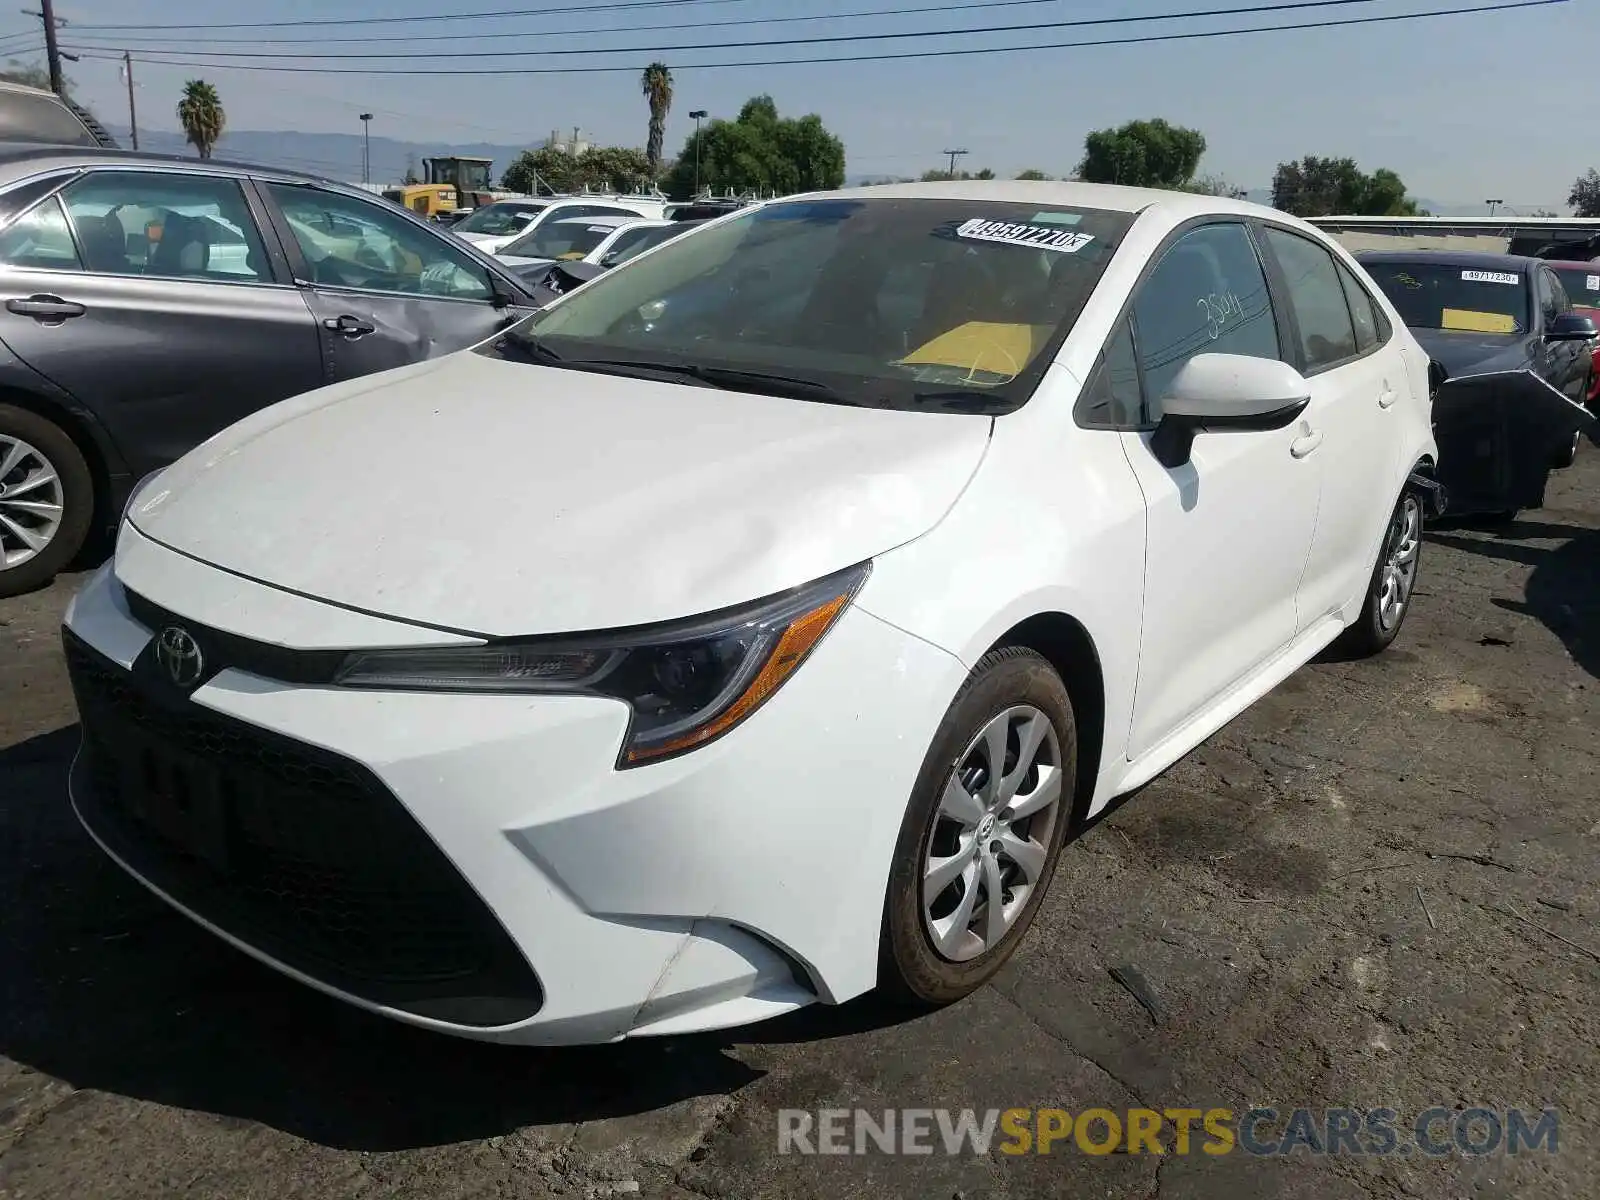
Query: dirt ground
x,y
1379,887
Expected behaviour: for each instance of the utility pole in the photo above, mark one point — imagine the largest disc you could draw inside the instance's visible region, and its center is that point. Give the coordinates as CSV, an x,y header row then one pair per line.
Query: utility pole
x,y
133,118
954,154
52,52
366,147
1493,204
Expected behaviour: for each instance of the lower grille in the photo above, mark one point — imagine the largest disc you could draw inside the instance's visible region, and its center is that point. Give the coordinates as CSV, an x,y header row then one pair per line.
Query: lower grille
x,y
299,852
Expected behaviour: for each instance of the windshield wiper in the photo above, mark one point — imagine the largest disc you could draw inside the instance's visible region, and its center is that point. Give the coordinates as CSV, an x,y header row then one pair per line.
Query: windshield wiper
x,y
530,347
966,399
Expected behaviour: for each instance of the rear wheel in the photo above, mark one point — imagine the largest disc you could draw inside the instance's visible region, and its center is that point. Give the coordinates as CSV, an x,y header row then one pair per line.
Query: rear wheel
x,y
1568,454
985,826
1393,581
46,500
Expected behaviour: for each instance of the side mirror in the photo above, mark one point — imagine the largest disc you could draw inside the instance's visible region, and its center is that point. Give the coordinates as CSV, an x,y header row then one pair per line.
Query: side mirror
x,y
1570,327
1226,391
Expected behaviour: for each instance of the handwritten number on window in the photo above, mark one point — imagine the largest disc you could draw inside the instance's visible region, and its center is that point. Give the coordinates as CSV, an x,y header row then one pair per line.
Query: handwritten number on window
x,y
1217,311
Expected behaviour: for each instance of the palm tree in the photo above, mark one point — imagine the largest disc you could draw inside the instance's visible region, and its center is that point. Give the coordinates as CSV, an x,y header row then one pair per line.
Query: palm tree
x,y
656,84
200,113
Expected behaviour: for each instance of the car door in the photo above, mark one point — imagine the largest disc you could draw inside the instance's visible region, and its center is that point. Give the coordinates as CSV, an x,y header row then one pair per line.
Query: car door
x,y
1226,533
386,290
1564,365
1355,386
150,296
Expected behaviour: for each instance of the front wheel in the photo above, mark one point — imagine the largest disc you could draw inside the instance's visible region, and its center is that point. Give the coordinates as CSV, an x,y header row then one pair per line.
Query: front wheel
x,y
1393,582
984,829
46,500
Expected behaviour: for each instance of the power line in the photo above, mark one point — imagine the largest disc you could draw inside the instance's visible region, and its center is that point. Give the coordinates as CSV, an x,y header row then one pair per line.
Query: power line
x,y
820,40
961,51
611,5
323,39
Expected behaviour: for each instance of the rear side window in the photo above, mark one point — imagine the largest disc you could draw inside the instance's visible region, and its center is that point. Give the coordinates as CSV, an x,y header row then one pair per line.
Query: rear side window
x,y
39,117
1208,295
176,226
1363,312
1327,334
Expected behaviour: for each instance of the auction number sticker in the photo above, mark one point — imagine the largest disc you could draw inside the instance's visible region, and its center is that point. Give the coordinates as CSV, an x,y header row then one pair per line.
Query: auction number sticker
x,y
1041,237
1591,283
1491,277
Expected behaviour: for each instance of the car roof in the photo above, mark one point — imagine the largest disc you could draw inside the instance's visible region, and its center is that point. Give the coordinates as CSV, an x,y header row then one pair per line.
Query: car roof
x,y
17,159
1066,193
1471,259
1573,264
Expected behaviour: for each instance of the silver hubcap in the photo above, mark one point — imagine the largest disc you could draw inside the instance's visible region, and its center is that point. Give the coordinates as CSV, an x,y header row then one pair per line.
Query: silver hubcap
x,y
1400,567
30,502
992,834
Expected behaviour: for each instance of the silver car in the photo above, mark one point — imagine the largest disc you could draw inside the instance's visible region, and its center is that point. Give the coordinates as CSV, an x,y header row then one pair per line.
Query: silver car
x,y
147,302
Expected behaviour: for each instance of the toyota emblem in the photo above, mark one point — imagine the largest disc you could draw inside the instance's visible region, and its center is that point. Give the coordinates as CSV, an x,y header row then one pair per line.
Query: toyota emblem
x,y
179,656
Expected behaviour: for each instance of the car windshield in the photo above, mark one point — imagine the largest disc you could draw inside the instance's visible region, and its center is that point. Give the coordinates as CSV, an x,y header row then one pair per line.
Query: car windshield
x,y
1446,295
1582,284
891,302
500,219
569,238
633,242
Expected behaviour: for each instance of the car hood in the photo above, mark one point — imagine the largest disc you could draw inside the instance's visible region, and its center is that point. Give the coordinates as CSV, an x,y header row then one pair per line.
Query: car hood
x,y
1461,353
502,498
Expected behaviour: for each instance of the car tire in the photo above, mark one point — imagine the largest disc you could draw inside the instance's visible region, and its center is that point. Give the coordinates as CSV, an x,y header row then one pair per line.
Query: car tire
x,y
1568,454
939,948
44,469
1392,584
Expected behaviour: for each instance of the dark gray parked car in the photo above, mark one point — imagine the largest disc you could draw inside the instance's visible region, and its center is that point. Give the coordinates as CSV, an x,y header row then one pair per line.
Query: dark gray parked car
x,y
147,302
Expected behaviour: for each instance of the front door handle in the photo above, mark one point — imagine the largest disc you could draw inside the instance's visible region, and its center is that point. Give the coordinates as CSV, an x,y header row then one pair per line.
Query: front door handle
x,y
1308,441
348,326
45,308
1388,396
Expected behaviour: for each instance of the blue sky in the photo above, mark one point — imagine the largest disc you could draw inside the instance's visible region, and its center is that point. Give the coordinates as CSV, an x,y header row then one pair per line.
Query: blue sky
x,y
1465,108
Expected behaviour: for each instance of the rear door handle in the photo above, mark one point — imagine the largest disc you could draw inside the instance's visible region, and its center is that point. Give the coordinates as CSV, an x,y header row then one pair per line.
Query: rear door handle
x,y
1306,443
348,326
45,308
1387,397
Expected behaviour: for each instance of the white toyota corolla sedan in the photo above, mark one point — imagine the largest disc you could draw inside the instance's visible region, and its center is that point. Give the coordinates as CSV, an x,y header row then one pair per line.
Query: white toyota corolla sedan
x,y
751,627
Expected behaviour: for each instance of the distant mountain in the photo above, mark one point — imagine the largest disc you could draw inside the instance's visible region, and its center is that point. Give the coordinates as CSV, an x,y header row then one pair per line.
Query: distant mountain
x,y
336,155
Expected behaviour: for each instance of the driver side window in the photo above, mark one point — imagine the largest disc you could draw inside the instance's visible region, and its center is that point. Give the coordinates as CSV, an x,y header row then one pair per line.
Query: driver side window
x,y
347,242
1208,294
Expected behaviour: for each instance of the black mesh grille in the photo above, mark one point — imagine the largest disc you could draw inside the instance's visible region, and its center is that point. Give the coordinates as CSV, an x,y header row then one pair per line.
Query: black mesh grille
x,y
296,851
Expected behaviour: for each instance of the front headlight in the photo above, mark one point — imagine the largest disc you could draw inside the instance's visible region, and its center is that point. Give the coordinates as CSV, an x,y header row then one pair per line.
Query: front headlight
x,y
687,683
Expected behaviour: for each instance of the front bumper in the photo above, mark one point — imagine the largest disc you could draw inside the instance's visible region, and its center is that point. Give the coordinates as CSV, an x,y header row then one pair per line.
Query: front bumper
x,y
475,864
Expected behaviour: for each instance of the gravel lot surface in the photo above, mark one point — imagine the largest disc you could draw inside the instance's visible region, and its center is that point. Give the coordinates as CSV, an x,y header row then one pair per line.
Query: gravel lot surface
x,y
1378,887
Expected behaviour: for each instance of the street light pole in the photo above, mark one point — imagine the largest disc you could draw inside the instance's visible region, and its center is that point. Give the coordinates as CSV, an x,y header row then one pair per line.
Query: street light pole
x,y
698,114
366,147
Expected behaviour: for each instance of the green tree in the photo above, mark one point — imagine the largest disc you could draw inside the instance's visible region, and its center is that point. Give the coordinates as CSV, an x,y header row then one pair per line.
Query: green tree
x,y
937,176
1142,154
1325,187
201,115
1215,185
1032,173
1585,195
760,151
619,168
656,83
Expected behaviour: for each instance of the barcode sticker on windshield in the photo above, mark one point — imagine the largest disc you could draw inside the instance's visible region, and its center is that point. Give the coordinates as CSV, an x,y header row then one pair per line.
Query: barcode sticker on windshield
x,y
1591,283
1491,277
1040,237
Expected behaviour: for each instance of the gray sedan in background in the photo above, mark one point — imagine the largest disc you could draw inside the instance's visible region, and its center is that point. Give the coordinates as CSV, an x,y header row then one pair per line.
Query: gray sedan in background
x,y
147,302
